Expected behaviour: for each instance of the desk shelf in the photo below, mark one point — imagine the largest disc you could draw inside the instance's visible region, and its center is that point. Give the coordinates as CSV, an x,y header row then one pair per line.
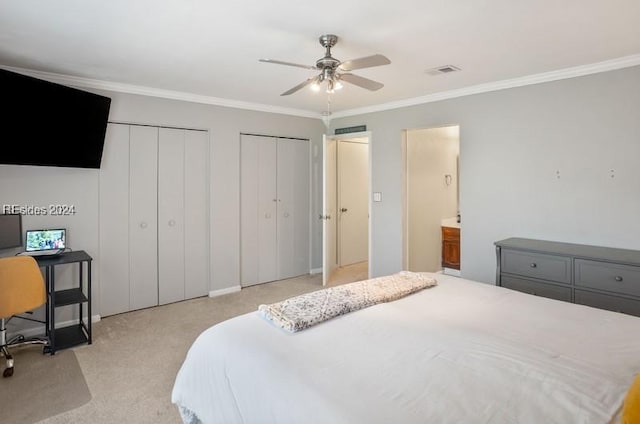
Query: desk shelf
x,y
79,297
70,297
70,336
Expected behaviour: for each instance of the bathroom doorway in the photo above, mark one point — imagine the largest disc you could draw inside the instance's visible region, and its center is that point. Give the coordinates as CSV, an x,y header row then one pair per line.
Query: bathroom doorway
x,y
430,194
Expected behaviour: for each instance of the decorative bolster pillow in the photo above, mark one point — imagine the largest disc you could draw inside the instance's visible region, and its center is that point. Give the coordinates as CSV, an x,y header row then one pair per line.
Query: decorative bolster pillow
x,y
631,408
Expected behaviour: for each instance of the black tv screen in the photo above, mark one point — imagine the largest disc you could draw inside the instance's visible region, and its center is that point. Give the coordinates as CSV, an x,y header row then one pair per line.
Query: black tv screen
x,y
48,124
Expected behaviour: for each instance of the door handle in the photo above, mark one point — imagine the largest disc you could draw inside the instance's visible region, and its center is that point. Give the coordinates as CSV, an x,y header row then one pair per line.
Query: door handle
x,y
343,210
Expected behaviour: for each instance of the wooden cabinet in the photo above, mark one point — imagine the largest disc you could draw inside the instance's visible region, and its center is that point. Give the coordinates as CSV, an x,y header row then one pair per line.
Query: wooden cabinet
x,y
274,208
602,277
451,247
154,217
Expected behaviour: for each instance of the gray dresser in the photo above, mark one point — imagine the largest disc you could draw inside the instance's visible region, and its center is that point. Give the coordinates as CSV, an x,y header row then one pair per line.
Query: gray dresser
x,y
601,277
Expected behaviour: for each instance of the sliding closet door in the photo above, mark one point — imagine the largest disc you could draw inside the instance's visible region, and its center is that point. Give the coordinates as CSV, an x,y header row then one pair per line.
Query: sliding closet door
x,y
196,226
143,219
293,207
171,215
114,221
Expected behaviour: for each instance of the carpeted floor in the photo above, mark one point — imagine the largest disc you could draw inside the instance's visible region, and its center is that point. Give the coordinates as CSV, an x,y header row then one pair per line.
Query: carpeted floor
x,y
131,365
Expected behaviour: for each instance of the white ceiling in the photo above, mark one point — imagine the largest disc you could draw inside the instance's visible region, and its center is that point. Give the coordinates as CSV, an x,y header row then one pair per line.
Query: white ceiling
x,y
211,47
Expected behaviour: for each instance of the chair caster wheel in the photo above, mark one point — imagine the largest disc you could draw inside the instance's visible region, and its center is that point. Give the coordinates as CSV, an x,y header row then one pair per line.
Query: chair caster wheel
x,y
8,372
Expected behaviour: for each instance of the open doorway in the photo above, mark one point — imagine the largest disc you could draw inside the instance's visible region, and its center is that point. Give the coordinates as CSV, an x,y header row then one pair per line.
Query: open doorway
x,y
346,208
431,197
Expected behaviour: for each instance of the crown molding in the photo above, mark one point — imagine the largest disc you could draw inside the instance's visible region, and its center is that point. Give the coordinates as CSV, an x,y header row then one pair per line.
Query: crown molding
x,y
81,82
577,71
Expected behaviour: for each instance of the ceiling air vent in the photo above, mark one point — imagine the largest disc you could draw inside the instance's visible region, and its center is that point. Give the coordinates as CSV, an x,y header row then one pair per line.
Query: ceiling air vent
x,y
446,69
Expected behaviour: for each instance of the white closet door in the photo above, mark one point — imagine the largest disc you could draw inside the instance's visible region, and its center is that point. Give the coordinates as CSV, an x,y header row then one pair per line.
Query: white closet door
x,y
267,206
258,210
286,208
196,225
293,207
114,221
143,219
171,214
249,210
302,208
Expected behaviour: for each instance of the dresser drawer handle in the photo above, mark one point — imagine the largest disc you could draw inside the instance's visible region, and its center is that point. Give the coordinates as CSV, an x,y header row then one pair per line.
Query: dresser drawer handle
x,y
618,278
533,265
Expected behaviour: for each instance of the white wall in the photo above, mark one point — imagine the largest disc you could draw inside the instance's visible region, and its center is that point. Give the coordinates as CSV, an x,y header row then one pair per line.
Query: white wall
x,y
41,186
512,142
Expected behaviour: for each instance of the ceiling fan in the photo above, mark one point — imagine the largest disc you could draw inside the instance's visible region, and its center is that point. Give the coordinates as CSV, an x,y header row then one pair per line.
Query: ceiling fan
x,y
334,71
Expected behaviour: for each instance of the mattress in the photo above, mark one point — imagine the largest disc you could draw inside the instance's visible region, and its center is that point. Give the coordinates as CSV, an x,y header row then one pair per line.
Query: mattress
x,y
459,352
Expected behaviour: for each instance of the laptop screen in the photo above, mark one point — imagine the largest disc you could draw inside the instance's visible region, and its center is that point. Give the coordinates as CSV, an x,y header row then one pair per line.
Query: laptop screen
x,y
45,240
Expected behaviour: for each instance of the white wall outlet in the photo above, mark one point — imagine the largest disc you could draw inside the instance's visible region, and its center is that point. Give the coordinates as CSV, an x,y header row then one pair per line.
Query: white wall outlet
x,y
377,196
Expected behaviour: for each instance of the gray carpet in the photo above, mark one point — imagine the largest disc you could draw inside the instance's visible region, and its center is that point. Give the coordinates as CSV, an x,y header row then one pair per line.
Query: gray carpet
x,y
42,385
131,366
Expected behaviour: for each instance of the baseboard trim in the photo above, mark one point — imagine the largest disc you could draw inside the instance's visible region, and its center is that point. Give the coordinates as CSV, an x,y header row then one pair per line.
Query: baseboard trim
x,y
39,330
315,271
228,290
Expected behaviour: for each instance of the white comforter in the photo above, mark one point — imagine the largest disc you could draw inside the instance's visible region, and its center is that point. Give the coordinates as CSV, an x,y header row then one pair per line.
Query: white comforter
x,y
460,352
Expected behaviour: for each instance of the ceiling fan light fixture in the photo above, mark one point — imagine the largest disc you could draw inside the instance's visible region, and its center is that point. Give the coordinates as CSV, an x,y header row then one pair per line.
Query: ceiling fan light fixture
x,y
330,86
333,70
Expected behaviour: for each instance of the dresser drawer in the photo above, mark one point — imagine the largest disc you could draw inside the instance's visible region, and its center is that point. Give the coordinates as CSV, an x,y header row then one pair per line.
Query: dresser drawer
x,y
534,287
537,265
623,279
605,301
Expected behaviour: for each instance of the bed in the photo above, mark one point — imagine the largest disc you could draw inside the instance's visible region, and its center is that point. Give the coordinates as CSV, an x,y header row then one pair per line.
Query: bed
x,y
458,352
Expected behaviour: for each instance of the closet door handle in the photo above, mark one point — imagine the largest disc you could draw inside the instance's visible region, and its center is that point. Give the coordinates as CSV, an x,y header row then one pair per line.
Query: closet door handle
x,y
172,223
143,225
286,214
267,215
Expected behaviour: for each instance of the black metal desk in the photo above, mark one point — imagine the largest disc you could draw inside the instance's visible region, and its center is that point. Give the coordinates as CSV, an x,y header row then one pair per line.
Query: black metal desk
x,y
75,334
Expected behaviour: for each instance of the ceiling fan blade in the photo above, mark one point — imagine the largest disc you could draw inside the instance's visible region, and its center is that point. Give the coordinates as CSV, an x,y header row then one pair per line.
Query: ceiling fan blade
x,y
364,62
300,86
280,62
362,82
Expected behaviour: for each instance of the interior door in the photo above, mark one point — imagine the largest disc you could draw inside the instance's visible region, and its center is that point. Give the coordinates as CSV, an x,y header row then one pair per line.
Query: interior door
x,y
329,201
353,201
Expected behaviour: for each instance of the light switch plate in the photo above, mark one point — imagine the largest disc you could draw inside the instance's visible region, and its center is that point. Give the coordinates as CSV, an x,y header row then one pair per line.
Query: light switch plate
x,y
377,196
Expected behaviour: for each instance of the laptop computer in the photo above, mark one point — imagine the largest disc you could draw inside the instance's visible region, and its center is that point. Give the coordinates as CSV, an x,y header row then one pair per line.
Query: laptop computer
x,y
45,242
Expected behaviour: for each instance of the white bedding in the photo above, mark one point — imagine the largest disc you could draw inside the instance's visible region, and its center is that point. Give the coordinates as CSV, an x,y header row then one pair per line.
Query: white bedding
x,y
459,352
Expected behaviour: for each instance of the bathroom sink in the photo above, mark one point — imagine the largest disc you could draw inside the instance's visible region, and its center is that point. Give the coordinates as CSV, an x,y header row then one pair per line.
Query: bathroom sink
x,y
450,222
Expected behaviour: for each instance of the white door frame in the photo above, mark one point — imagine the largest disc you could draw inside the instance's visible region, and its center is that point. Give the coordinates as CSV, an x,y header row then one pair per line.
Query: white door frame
x,y
362,134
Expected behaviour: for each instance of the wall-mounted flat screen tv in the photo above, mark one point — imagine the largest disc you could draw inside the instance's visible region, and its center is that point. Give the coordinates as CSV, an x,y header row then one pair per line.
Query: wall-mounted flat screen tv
x,y
48,124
